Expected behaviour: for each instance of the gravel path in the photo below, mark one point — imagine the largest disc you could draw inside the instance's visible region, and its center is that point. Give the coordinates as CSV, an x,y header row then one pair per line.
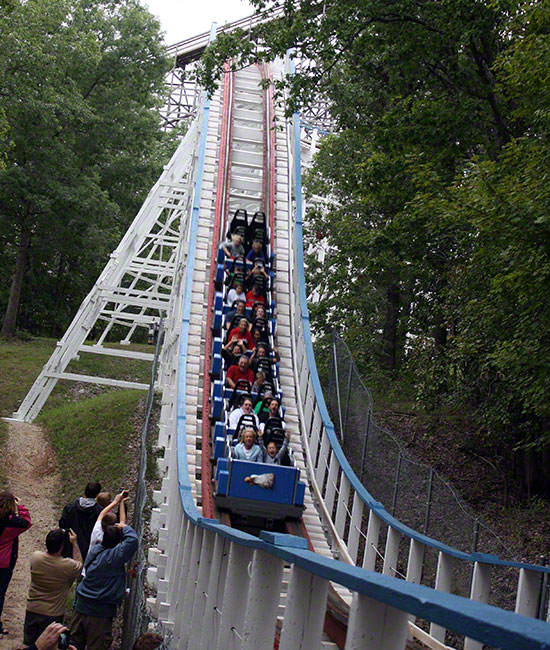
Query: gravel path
x,y
33,477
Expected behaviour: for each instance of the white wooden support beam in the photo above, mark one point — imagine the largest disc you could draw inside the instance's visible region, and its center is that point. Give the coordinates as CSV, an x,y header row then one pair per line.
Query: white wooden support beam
x,y
263,602
391,554
528,592
443,582
190,587
355,525
416,561
415,564
315,433
105,381
180,564
216,582
321,469
304,611
234,598
115,352
342,504
201,593
174,552
371,543
481,585
374,625
331,483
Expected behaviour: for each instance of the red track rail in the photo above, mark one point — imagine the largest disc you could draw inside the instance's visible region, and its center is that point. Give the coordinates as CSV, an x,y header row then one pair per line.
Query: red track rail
x,y
270,128
206,468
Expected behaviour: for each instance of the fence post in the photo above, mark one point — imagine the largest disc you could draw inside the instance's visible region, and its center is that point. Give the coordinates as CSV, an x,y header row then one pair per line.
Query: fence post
x,y
396,483
365,441
428,501
337,387
331,376
475,541
349,390
544,589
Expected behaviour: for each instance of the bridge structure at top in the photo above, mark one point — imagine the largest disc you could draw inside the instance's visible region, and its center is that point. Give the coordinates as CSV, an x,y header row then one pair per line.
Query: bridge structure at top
x,y
356,577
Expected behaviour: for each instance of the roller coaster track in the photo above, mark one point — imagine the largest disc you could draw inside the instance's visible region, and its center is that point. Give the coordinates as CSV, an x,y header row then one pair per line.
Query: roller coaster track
x,y
218,587
217,566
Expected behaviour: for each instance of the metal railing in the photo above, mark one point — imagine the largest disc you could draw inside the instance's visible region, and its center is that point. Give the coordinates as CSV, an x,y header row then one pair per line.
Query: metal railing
x,y
412,491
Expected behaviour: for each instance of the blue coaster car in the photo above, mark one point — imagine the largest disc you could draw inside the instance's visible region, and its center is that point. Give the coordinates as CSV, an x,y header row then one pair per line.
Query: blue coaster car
x,y
239,490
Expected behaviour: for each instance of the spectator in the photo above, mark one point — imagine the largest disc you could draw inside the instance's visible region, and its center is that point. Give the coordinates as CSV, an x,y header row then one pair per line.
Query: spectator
x,y
108,518
51,579
241,371
104,499
244,409
102,590
256,252
247,449
254,296
272,455
233,247
81,515
148,641
242,335
14,520
49,639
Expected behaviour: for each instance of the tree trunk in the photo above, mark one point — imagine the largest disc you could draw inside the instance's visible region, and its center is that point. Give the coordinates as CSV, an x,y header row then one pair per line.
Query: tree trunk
x,y
10,317
389,333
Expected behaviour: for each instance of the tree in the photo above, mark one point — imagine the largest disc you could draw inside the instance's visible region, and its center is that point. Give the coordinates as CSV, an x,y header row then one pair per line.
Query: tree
x,y
81,81
438,229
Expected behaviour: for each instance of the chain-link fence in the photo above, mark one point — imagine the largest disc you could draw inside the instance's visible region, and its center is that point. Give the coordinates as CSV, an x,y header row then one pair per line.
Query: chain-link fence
x,y
410,490
135,619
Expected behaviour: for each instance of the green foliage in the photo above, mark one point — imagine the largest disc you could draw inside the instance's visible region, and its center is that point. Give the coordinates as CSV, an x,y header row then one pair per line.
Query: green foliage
x,y
92,437
88,409
80,82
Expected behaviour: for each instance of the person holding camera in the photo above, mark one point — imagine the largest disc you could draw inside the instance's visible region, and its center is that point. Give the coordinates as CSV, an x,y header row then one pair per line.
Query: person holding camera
x,y
257,275
51,578
14,520
103,588
56,635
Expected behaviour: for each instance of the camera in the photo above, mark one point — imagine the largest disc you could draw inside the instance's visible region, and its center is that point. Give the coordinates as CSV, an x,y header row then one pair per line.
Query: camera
x,y
259,264
64,640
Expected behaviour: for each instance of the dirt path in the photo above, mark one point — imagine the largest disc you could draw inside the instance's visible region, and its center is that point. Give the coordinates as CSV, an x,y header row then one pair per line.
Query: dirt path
x,y
33,477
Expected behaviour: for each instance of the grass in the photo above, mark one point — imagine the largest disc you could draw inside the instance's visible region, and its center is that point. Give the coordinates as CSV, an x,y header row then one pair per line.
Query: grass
x,y
91,440
91,426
